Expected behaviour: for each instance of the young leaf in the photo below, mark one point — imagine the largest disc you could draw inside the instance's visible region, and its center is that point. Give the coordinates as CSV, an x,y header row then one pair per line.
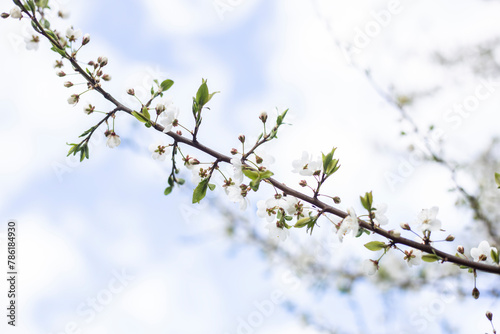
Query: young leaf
x,y
303,222
375,245
250,173
168,190
430,258
200,191
497,179
140,117
166,84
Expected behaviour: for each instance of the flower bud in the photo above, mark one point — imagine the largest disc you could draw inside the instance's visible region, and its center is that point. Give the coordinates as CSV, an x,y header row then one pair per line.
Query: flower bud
x,y
89,109
405,226
5,15
68,84
258,159
263,116
303,183
394,233
489,315
160,107
234,151
86,39
241,138
16,13
73,99
450,238
475,293
131,91
99,73
106,77
61,74
336,200
103,61
91,63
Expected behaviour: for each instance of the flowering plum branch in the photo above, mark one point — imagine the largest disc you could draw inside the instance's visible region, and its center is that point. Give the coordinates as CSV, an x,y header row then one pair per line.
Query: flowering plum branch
x,y
287,204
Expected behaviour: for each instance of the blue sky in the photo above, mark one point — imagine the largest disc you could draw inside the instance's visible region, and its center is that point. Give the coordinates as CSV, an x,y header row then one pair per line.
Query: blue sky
x,y
104,230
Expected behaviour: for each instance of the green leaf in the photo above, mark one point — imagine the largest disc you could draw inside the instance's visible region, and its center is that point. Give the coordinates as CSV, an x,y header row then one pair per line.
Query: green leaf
x,y
254,184
182,181
168,190
367,201
251,173
497,179
200,191
202,94
166,84
60,51
494,256
42,3
266,174
375,245
430,258
146,114
211,186
87,132
140,117
31,4
303,222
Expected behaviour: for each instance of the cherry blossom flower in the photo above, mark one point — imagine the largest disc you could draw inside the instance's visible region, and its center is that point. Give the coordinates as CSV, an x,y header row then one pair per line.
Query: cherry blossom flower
x,y
238,170
370,267
113,140
483,252
349,223
235,195
276,232
413,257
32,42
263,158
427,219
16,13
380,217
159,151
191,162
265,208
305,165
73,34
169,117
73,99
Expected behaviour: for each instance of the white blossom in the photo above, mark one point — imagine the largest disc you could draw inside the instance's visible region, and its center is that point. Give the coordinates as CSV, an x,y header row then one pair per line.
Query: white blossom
x,y
380,217
349,223
169,117
305,165
238,170
267,159
483,252
413,257
73,99
32,42
275,232
234,193
263,208
427,219
113,140
16,13
159,150
73,34
370,267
